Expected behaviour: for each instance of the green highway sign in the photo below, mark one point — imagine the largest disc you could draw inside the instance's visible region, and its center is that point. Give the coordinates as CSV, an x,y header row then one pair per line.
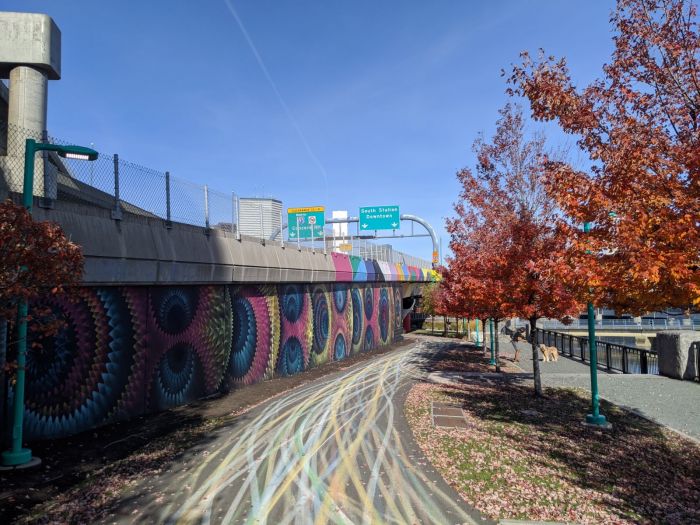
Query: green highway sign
x,y
380,218
306,223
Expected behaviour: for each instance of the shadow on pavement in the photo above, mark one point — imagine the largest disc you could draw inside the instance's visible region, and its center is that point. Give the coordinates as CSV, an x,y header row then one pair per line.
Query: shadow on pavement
x,y
648,471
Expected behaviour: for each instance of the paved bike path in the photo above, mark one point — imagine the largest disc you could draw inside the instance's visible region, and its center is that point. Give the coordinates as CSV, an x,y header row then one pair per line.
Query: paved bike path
x,y
335,451
669,402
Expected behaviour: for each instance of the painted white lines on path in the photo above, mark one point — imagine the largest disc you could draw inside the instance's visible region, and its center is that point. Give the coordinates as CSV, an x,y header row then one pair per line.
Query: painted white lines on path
x,y
329,452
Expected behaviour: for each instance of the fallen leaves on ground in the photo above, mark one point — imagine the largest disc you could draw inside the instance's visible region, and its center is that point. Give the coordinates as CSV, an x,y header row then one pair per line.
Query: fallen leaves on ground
x,y
529,458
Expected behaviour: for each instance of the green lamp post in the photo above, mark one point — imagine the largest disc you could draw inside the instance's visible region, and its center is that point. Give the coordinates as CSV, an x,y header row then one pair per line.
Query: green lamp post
x,y
493,353
476,337
17,455
595,418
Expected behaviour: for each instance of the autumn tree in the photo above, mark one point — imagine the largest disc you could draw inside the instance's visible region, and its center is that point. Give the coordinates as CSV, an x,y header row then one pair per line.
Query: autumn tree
x,y
509,257
429,301
638,124
36,260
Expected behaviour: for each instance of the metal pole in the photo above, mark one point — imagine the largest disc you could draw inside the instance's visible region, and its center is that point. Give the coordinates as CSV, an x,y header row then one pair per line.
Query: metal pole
x,y
476,329
18,455
117,211
595,417
238,218
298,239
50,182
168,218
260,217
233,210
281,233
206,207
493,352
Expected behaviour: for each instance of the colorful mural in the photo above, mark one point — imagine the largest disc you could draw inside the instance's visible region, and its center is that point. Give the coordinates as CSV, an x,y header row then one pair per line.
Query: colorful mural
x,y
125,351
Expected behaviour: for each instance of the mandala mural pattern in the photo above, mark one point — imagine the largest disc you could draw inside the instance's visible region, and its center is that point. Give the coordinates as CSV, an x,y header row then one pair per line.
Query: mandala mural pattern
x,y
322,314
358,332
77,380
296,329
341,331
126,351
254,334
398,307
383,317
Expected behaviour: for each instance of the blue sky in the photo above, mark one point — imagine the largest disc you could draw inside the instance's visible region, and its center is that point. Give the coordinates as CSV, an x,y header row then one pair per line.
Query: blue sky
x,y
388,96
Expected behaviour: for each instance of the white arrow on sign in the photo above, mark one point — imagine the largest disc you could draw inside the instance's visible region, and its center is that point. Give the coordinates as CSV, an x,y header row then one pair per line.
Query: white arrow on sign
x,y
394,224
364,225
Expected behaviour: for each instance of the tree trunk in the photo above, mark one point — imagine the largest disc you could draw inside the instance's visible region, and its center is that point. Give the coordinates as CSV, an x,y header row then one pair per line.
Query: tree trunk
x,y
444,325
432,320
535,358
497,350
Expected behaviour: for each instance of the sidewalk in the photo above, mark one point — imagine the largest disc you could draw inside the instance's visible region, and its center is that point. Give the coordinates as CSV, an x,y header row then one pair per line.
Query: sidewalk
x,y
670,402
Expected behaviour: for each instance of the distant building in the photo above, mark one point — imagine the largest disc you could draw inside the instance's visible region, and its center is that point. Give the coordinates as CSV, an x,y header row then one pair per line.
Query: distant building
x,y
340,229
260,217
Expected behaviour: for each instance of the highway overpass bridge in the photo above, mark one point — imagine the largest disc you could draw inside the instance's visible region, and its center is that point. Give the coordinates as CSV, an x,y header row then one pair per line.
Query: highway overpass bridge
x,y
169,312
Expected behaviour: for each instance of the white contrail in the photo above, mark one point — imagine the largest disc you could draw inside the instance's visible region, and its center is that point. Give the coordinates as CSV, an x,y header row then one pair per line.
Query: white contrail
x,y
287,111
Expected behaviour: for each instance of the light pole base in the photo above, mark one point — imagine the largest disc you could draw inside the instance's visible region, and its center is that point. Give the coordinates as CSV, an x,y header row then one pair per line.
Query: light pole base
x,y
492,362
13,459
598,421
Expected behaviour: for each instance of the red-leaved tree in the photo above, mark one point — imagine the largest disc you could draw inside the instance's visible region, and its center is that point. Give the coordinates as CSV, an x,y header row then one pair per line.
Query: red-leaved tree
x,y
639,125
509,257
36,260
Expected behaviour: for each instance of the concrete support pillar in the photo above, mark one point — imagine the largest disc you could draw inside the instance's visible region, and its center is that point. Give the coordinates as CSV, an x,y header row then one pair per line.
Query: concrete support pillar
x,y
26,115
28,96
30,56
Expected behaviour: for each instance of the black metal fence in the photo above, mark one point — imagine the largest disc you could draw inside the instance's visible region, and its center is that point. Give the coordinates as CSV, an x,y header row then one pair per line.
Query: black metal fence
x,y
611,356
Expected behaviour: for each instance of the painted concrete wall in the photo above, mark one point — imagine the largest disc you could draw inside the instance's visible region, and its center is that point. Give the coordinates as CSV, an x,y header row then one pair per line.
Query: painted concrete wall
x,y
126,351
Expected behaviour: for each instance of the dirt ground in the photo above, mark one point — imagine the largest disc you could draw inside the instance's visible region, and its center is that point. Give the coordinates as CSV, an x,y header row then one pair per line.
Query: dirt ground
x,y
80,475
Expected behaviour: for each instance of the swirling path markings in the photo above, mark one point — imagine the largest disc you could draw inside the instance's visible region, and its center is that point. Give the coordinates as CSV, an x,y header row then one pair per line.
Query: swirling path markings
x,y
334,451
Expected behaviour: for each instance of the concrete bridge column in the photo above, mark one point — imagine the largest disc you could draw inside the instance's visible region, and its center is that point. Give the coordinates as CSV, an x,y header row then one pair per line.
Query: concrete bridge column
x,y
26,115
30,56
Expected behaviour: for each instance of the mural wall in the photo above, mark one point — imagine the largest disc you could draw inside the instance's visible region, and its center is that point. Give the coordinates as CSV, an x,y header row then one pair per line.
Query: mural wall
x,y
126,351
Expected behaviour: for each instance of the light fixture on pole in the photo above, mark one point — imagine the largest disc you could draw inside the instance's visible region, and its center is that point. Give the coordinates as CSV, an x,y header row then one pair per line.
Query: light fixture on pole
x,y
493,352
595,418
17,455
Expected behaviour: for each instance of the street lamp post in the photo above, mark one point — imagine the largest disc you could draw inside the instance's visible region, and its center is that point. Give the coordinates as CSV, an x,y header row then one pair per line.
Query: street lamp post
x,y
17,455
476,328
595,418
493,353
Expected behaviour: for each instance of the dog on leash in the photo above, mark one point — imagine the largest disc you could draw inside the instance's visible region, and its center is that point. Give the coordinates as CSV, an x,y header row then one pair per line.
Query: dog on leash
x,y
550,353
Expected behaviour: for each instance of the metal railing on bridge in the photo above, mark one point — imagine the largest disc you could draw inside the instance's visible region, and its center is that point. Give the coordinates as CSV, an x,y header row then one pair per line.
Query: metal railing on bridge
x,y
646,324
611,356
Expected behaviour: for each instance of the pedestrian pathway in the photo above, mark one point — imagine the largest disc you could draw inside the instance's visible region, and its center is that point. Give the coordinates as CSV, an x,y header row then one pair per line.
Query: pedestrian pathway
x,y
337,450
670,402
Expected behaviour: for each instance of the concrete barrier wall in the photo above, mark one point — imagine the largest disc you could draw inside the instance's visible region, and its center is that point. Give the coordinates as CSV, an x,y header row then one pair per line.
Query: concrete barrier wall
x,y
678,353
143,251
129,350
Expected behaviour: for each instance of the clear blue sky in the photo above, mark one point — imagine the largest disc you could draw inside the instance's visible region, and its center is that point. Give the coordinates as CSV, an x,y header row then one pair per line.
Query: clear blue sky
x,y
388,95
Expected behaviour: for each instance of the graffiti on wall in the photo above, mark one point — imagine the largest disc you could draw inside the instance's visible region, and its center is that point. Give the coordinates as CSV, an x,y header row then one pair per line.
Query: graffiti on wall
x,y
125,351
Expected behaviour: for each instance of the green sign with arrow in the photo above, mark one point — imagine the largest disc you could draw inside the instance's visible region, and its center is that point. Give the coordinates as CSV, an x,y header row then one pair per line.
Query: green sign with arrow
x,y
306,223
380,218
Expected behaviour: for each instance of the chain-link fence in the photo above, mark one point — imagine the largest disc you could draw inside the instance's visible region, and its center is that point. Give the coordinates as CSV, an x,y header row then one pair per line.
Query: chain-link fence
x,y
112,183
123,187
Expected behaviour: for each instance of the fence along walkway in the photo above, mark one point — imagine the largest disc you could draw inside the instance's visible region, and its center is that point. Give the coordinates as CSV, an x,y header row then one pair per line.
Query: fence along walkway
x,y
611,356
